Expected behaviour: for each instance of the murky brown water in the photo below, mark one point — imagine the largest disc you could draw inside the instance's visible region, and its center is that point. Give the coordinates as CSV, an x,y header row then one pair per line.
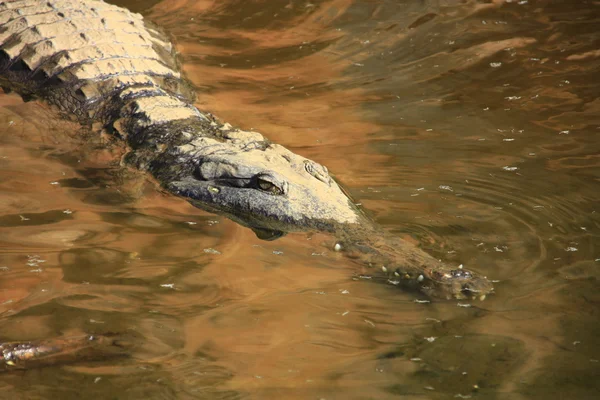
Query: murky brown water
x,y
471,127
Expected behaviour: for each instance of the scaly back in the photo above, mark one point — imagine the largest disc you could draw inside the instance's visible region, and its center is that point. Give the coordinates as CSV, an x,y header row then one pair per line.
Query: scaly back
x,y
93,60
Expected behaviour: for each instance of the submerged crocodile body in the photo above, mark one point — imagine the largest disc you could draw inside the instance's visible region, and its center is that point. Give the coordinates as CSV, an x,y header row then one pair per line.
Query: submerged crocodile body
x,y
26,355
104,65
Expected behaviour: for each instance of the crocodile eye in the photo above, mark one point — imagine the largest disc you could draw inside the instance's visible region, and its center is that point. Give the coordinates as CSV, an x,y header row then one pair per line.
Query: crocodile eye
x,y
267,186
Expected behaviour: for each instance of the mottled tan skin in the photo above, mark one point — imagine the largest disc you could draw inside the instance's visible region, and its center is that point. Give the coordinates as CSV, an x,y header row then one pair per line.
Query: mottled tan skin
x,y
102,64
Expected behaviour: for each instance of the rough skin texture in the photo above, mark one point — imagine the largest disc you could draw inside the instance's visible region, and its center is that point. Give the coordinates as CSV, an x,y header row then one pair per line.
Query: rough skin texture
x,y
100,63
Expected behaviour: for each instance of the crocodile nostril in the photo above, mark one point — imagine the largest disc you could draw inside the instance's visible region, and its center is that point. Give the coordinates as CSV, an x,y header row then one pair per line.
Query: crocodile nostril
x,y
317,171
461,273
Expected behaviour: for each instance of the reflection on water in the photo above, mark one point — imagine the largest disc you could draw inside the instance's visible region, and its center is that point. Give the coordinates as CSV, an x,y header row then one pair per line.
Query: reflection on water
x,y
468,127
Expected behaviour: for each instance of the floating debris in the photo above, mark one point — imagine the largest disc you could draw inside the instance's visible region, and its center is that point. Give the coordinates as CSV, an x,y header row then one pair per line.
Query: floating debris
x,y
495,64
571,249
277,252
67,211
464,305
168,285
430,339
211,251
34,261
446,187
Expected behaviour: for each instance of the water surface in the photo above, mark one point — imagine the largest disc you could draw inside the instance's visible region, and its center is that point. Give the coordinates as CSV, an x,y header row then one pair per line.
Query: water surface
x,y
468,127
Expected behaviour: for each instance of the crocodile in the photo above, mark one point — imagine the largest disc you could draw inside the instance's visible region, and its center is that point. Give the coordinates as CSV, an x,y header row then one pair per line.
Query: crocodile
x,y
43,353
107,67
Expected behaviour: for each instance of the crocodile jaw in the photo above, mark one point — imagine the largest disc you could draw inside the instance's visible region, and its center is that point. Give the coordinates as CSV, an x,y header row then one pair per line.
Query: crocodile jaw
x,y
302,208
260,185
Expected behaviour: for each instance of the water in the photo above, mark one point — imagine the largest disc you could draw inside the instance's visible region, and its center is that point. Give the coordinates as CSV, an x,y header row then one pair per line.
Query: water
x,y
470,128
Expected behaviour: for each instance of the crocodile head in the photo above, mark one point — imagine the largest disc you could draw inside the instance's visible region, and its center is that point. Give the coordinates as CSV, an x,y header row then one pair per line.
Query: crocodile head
x,y
261,185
